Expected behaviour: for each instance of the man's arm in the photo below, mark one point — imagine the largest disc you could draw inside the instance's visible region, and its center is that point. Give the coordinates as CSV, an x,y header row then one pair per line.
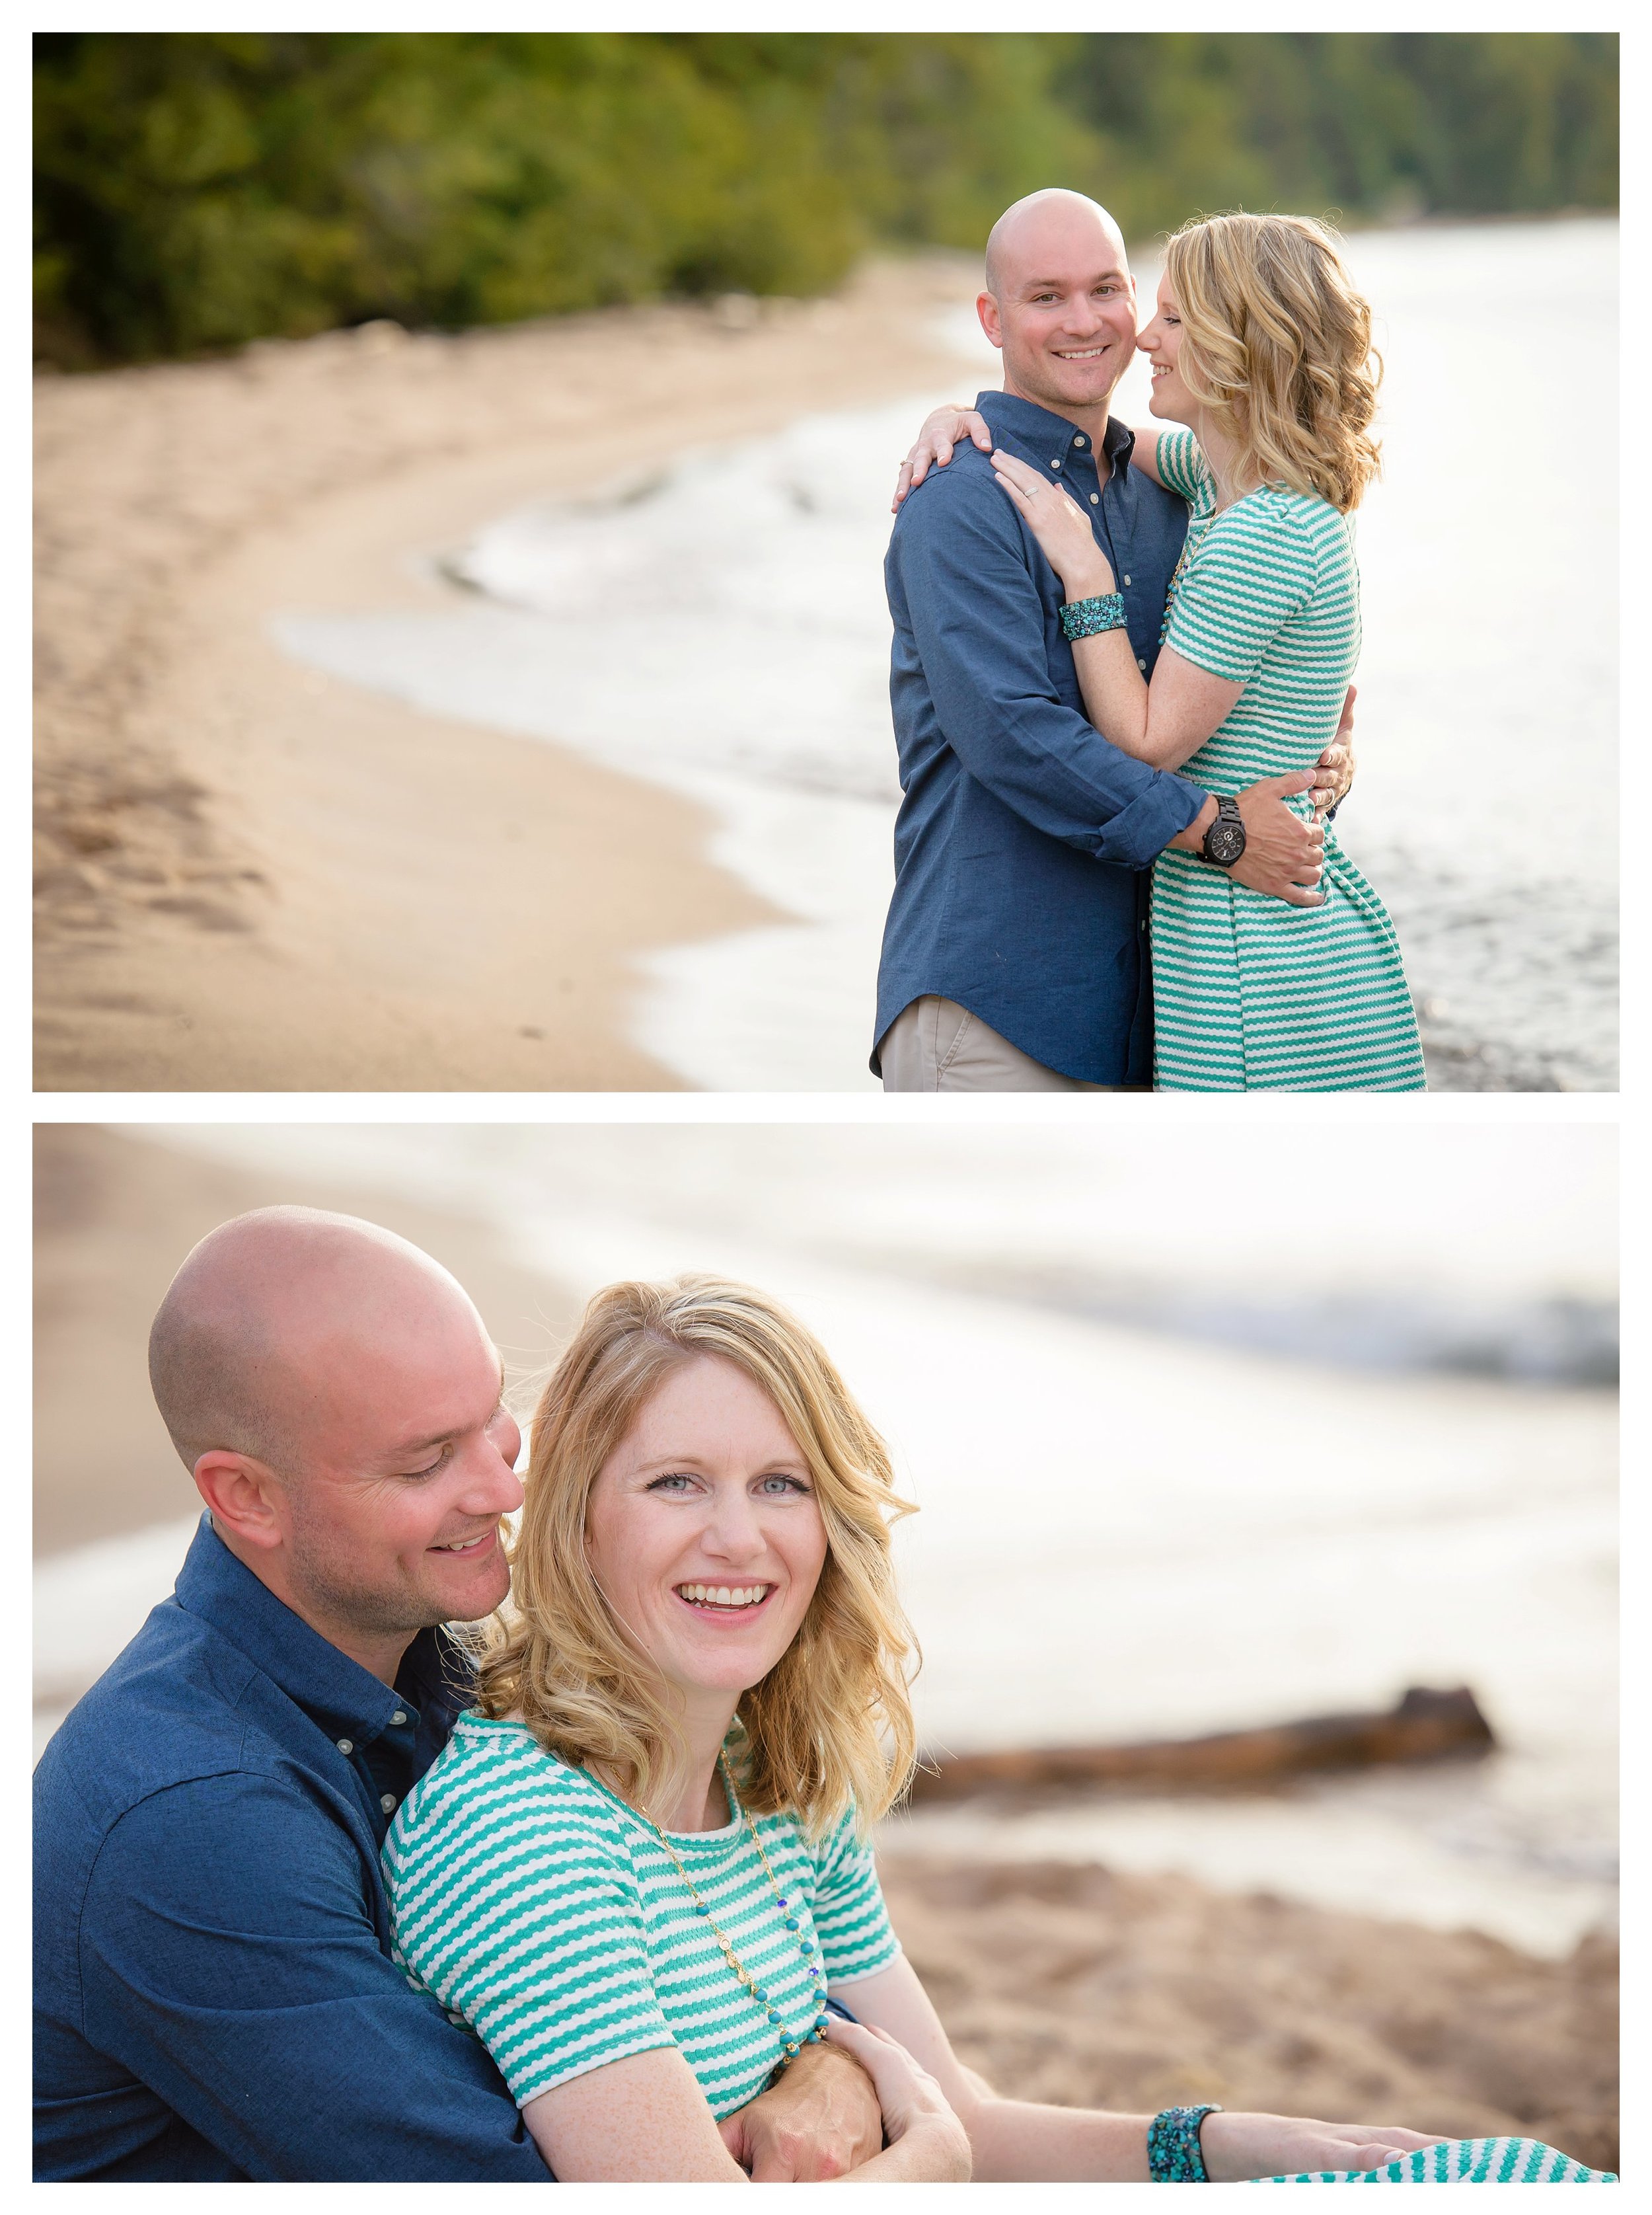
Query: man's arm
x,y
228,1960
979,628
820,2120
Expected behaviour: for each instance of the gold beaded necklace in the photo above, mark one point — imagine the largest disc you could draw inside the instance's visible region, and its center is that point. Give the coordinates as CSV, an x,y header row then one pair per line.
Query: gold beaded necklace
x,y
811,1955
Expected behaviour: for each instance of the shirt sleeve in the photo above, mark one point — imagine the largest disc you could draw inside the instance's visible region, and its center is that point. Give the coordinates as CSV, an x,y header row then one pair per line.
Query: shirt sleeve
x,y
1253,573
1181,465
851,1921
228,1959
978,628
521,1918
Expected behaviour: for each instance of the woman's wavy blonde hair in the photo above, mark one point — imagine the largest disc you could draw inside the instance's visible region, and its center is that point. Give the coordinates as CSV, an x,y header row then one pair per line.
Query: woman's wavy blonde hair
x,y
1276,343
831,1723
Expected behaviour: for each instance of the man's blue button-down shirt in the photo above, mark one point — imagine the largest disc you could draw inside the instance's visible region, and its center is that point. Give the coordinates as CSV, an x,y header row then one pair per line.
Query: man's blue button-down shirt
x,y
215,1997
1023,836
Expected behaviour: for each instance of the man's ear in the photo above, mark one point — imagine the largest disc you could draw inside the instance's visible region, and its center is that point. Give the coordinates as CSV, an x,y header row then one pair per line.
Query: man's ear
x,y
241,1494
991,322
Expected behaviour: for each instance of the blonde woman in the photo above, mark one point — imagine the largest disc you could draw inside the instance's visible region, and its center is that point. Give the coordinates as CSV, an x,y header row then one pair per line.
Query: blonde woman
x,y
1261,348
641,1863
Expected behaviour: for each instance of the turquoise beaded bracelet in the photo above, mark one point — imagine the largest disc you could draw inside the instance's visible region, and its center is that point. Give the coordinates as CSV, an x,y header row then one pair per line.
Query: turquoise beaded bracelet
x,y
1084,618
1174,2154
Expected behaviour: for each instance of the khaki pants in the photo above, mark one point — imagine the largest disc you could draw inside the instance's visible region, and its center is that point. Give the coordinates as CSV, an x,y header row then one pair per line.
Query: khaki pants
x,y
936,1046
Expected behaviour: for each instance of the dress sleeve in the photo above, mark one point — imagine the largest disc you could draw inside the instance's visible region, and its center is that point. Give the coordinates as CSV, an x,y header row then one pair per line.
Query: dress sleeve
x,y
1181,465
518,1912
1253,573
851,1920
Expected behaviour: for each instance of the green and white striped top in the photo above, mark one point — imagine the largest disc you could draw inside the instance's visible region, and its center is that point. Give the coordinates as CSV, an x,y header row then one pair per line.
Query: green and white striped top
x,y
1250,994
545,1915
1268,596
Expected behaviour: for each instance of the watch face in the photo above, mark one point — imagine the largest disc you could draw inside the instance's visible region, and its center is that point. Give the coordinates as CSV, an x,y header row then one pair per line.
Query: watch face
x,y
1224,842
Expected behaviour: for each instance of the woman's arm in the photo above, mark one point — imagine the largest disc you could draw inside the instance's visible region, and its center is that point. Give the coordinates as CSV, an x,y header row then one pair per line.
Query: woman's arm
x,y
945,427
942,428
643,2119
1011,2139
1017,2141
1163,722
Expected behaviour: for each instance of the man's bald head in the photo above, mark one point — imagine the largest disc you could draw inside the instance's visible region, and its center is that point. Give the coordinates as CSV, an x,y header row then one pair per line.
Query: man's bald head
x,y
1051,224
1060,304
270,1316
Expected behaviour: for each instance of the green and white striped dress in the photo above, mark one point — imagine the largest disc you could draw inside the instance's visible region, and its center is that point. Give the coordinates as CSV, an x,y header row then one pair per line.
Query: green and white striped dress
x,y
1464,2161
545,1915
1250,994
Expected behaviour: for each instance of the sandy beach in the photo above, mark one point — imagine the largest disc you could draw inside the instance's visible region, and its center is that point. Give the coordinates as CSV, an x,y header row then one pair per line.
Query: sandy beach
x,y
1061,1980
1086,1987
253,877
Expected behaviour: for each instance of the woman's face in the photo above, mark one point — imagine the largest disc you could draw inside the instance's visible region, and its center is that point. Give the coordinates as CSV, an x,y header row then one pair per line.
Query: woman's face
x,y
1161,341
704,1532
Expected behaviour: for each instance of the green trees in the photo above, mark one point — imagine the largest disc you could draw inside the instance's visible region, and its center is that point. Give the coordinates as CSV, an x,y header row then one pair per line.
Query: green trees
x,y
1381,127
196,190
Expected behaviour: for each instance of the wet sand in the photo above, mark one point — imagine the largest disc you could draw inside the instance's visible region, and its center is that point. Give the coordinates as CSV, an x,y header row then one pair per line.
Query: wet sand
x,y
1059,1982
251,877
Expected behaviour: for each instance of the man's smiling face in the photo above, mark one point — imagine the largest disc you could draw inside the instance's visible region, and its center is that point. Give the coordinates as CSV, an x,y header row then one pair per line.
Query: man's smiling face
x,y
1060,302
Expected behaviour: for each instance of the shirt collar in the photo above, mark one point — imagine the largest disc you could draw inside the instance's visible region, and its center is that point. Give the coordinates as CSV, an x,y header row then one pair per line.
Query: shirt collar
x,y
335,1691
1051,435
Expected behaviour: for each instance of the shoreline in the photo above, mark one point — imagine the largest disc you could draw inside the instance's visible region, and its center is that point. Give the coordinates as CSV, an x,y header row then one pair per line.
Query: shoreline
x,y
254,877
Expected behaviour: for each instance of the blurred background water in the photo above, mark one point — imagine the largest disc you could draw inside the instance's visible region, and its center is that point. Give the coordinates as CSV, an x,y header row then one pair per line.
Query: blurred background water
x,y
720,627
1181,1467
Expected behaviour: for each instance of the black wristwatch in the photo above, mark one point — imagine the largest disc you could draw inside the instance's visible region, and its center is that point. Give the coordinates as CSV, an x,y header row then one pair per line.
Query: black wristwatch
x,y
1224,842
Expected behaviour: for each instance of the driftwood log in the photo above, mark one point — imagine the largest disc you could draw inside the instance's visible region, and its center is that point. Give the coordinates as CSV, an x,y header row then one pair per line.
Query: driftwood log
x,y
1423,1726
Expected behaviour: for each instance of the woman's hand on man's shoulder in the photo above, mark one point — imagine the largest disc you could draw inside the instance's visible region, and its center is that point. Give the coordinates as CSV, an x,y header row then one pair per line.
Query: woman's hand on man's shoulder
x,y
943,429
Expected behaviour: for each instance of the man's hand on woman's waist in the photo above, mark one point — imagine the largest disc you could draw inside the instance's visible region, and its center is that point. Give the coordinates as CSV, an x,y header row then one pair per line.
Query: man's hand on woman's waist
x,y
1334,776
1284,852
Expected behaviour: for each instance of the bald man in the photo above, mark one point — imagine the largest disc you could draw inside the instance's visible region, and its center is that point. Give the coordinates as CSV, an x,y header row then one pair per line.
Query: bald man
x,y
1015,952
215,1996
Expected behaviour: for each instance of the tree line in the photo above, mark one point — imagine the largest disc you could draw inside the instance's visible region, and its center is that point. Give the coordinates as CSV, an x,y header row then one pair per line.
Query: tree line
x,y
196,190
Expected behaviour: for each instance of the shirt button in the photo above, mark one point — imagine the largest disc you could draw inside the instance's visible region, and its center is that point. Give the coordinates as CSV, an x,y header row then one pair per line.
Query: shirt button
x,y
347,1745
398,1717
1055,461
1095,499
1140,663
1078,442
387,1800
1127,580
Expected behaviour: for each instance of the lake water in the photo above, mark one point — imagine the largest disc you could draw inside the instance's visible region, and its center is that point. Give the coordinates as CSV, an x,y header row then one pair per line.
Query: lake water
x,y
1127,1531
756,682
